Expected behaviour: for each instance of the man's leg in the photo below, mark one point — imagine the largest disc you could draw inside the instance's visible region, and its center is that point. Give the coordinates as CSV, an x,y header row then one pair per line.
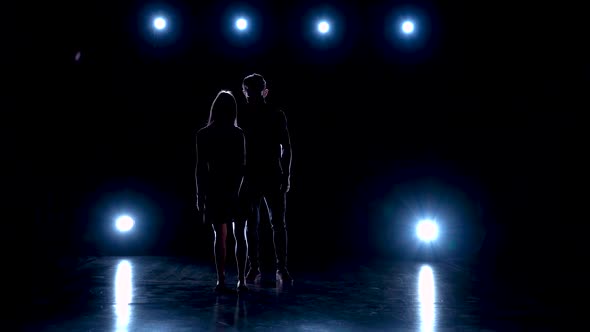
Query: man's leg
x,y
252,236
276,202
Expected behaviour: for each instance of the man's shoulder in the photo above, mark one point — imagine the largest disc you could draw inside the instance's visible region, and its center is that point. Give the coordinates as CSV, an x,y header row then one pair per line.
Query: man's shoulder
x,y
280,116
267,107
281,113
275,108
238,131
275,112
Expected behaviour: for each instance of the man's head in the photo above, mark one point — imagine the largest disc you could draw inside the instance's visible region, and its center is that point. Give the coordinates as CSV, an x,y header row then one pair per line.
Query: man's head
x,y
254,87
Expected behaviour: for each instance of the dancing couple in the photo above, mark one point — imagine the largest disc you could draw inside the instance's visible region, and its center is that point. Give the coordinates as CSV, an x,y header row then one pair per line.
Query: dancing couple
x,y
243,159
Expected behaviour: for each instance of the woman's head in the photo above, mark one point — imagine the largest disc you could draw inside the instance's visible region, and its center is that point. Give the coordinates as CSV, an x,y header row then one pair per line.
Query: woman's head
x,y
224,110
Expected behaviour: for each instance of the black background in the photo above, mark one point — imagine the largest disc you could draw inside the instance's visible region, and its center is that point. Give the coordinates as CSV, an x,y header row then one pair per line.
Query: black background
x,y
480,126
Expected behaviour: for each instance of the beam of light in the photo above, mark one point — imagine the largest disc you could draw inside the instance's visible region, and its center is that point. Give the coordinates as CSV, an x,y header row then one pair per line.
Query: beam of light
x,y
123,295
427,230
159,23
408,27
426,298
124,223
241,24
323,27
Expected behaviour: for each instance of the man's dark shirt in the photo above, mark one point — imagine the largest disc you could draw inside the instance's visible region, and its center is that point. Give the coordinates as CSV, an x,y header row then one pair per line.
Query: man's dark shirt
x,y
265,130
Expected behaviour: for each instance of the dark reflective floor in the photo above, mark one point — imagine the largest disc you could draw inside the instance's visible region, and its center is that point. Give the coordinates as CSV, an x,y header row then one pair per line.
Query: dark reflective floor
x,y
175,294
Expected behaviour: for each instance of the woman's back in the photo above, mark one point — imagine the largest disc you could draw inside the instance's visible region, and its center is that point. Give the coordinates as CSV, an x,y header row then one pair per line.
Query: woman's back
x,y
221,156
222,149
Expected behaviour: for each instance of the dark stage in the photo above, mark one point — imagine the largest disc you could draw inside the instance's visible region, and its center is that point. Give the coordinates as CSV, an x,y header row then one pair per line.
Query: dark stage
x,y
463,115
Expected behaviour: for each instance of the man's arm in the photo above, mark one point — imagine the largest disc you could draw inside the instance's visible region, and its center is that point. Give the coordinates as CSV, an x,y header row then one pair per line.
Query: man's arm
x,y
286,153
243,168
200,172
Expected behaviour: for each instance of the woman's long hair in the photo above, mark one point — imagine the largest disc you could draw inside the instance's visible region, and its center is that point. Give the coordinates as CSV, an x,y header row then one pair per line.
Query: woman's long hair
x,y
224,110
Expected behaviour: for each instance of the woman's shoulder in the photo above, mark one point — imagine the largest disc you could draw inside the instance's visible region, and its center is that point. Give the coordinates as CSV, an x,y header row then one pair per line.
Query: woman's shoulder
x,y
204,130
203,133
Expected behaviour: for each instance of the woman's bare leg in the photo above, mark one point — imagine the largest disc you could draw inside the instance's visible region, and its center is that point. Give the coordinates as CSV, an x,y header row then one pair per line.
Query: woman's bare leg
x,y
241,251
220,251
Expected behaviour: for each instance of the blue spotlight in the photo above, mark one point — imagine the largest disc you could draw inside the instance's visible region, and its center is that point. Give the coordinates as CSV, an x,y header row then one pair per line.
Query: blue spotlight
x,y
241,24
323,27
408,27
160,23
427,230
124,223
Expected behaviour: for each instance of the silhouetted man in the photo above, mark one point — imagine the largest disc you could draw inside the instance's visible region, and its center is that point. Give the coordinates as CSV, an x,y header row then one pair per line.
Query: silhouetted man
x,y
268,167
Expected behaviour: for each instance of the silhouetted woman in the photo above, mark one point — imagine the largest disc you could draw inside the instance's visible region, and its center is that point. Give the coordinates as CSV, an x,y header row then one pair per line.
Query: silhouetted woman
x,y
219,174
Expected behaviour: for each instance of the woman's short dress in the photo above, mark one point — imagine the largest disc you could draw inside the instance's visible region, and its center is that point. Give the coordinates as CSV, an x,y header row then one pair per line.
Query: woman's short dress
x,y
221,204
222,149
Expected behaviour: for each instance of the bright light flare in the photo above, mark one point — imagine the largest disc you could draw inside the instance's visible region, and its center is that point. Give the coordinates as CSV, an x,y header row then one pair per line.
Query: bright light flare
x,y
124,223
408,27
160,23
427,230
241,24
323,27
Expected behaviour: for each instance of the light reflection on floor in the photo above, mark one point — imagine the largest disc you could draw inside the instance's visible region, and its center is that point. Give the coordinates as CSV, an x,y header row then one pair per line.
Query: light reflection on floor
x,y
176,294
123,295
426,298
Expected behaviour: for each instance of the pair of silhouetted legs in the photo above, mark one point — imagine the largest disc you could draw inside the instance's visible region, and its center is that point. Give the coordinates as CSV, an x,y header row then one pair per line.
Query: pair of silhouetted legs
x,y
241,250
275,203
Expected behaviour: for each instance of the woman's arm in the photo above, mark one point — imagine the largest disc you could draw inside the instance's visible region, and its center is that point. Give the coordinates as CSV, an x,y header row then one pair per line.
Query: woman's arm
x,y
243,168
201,171
240,150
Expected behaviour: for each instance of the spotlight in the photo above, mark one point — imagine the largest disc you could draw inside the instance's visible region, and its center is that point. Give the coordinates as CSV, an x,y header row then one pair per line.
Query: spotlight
x,y
159,23
427,230
241,24
124,223
408,27
323,27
